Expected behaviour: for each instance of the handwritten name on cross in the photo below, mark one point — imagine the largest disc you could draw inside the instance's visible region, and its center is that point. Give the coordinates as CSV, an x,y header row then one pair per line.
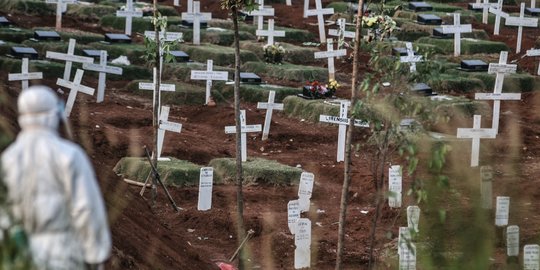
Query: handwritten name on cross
x,y
330,54
320,12
60,6
411,58
457,29
500,69
165,125
270,106
129,13
69,58
260,13
243,130
209,75
103,69
196,16
521,22
484,5
497,11
25,76
270,33
476,133
152,87
75,87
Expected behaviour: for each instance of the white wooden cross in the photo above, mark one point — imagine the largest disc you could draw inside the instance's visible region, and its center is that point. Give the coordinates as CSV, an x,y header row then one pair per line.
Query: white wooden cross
x,y
343,122
270,106
164,37
410,58
129,13
25,76
330,54
152,87
243,129
260,13
306,8
288,2
498,12
341,33
196,16
165,125
476,133
60,6
500,69
457,28
75,87
270,33
209,75
485,5
103,69
521,22
534,52
320,12
69,58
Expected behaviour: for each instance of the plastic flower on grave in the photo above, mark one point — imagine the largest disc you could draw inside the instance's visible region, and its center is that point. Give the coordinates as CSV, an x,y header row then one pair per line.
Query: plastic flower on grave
x,y
274,53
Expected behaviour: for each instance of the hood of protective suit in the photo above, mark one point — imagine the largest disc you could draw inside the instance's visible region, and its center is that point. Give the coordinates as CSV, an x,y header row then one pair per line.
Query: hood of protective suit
x,y
39,108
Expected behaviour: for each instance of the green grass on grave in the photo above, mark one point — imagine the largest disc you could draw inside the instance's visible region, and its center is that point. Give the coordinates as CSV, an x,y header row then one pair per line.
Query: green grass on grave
x,y
411,31
223,38
94,12
27,7
258,93
222,56
308,109
15,35
139,25
287,71
256,171
448,83
185,94
292,35
513,83
467,46
294,54
173,173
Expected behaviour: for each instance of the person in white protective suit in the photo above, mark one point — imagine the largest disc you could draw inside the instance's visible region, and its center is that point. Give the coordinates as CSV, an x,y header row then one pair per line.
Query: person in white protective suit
x,y
53,190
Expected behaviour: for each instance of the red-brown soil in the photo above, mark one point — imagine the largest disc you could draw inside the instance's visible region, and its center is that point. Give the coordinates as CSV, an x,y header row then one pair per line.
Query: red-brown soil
x,y
146,237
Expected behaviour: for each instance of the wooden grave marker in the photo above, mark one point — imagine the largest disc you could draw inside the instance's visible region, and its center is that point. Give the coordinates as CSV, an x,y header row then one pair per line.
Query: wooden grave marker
x,y
395,186
209,75
196,16
457,28
293,214
305,190
244,129
269,106
165,125
320,12
75,87
476,133
270,33
103,69
521,22
25,75
129,13
502,211
206,181
69,58
302,241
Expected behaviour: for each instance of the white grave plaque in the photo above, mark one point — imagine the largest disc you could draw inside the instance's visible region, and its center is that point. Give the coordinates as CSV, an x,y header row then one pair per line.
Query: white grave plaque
x,y
502,211
531,257
512,240
404,237
394,186
302,241
341,33
206,181
293,214
407,259
486,190
305,190
413,217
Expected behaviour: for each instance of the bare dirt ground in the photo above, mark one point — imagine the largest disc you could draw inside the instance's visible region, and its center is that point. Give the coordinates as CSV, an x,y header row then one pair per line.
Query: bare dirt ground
x,y
146,237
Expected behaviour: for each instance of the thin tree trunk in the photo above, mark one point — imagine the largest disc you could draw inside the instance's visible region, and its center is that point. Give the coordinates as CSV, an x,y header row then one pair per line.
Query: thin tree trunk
x,y
348,141
239,173
157,97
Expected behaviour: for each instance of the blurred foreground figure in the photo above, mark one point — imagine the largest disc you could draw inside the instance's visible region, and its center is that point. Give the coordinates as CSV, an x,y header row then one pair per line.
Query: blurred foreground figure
x,y
52,189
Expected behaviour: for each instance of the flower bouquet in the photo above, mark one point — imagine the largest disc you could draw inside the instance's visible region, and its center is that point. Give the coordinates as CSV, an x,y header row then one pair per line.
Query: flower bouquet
x,y
317,90
274,53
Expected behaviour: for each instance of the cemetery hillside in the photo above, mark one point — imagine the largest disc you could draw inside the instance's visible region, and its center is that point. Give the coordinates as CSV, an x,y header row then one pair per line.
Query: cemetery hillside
x,y
285,134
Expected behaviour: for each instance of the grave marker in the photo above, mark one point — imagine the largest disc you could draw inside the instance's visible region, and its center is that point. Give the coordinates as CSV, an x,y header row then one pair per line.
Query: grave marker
x,y
341,32
103,69
413,217
497,11
407,258
243,129
152,87
47,35
196,16
75,87
512,241
343,122
260,13
117,38
60,5
457,28
165,125
270,106
395,188
534,52
250,78
270,33
404,238
24,52
420,6
531,257
206,180
411,58
500,69
293,214
502,211
209,75
486,183
129,13
428,19
521,22
305,190
69,58
473,65
302,241
330,54
319,12
476,133
4,21
484,5
25,76
533,11
306,8
163,37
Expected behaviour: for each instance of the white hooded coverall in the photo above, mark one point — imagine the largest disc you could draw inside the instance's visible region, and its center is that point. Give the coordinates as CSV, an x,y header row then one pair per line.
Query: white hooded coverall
x,y
53,189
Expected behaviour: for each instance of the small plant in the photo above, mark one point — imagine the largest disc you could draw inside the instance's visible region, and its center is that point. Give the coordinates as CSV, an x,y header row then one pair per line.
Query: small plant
x,y
317,90
274,54
378,26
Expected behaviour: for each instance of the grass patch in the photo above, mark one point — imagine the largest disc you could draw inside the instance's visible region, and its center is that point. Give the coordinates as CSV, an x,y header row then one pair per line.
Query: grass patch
x,y
222,56
27,7
294,54
223,38
287,71
468,46
258,93
292,35
94,12
139,25
256,171
307,109
448,83
513,83
15,35
173,173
